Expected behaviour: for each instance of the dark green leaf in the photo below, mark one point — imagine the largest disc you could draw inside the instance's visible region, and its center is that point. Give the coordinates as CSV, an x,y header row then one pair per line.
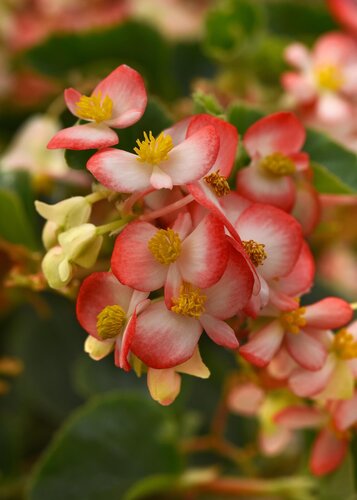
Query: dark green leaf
x,y
105,448
15,226
242,117
339,484
327,182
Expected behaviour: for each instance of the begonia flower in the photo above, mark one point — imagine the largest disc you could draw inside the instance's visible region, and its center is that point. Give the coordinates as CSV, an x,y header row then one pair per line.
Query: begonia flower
x,y
118,101
273,144
108,311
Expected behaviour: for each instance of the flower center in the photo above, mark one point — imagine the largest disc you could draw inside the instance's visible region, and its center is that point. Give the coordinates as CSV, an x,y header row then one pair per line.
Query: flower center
x,y
95,108
278,165
190,302
218,183
255,251
293,321
165,246
344,345
110,321
329,77
152,150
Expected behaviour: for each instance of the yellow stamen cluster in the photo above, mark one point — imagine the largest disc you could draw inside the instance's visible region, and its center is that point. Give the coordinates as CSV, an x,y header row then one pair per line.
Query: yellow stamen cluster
x,y
277,165
218,183
190,302
95,108
165,246
293,321
154,150
110,321
329,77
344,345
255,251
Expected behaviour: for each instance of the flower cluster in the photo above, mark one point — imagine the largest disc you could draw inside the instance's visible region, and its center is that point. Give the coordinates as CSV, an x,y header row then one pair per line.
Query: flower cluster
x,y
193,255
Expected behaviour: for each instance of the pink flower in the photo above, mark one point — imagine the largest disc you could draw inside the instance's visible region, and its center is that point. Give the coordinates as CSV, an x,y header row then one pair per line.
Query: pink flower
x,y
336,378
118,101
108,311
166,338
326,77
299,331
147,258
274,144
160,162
345,11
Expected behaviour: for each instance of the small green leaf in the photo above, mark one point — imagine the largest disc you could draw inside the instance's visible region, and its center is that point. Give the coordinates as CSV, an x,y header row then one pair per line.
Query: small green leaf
x,y
15,226
340,484
105,448
326,182
206,103
242,117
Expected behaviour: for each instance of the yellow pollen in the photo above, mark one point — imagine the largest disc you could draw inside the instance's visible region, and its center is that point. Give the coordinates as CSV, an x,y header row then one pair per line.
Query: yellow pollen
x,y
165,246
329,77
277,165
190,302
293,321
218,183
154,150
255,251
110,321
344,345
95,108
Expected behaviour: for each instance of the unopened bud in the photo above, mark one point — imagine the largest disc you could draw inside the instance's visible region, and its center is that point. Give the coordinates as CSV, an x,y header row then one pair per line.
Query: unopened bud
x,y
97,349
67,213
56,268
81,245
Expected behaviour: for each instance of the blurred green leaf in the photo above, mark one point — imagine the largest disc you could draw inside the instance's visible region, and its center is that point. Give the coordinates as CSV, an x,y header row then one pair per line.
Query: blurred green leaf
x,y
105,448
15,226
155,119
20,182
242,116
298,19
232,27
132,43
340,484
337,166
206,103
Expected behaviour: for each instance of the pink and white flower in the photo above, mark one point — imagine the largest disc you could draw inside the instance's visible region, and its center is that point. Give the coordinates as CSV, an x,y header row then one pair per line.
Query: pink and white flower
x,y
118,101
108,311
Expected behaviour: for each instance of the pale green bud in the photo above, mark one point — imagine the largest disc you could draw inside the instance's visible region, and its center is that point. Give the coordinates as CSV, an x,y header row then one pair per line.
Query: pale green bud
x,y
97,349
56,268
67,213
81,245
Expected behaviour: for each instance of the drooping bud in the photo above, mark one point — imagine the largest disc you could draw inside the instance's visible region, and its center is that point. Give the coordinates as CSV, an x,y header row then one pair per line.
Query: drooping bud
x,y
56,268
67,213
81,245
97,349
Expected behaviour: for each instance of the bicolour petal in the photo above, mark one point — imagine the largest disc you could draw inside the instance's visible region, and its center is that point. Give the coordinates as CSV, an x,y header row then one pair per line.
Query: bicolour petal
x,y
126,89
164,385
194,366
334,48
280,132
178,131
219,331
274,442
173,284
301,87
300,417
263,344
228,140
119,170
160,179
233,291
133,263
98,291
245,399
163,338
282,365
87,136
328,453
329,313
234,205
305,350
333,109
280,234
204,253
301,278
72,97
192,158
297,55
345,413
345,11
259,187
305,383
125,344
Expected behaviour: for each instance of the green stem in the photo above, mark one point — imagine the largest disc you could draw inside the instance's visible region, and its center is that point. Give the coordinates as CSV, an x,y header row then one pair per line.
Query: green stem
x,y
113,226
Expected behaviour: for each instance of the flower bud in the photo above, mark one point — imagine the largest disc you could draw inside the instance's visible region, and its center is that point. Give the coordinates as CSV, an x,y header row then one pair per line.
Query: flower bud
x,y
81,245
67,213
49,234
56,268
97,349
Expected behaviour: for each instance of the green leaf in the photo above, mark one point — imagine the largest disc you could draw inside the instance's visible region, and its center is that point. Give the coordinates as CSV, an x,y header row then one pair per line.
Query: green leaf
x,y
206,103
293,19
131,42
155,118
337,167
20,182
105,448
339,484
242,117
15,226
232,27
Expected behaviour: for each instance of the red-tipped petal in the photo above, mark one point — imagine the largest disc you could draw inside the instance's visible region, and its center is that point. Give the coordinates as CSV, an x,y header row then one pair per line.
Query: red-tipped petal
x,y
164,339
119,171
245,399
72,97
306,383
305,350
328,453
133,263
328,313
300,417
345,413
219,331
126,89
279,132
81,137
263,345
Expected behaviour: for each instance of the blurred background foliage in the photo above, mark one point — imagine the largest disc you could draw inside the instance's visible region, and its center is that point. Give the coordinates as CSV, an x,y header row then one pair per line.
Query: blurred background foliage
x,y
72,428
